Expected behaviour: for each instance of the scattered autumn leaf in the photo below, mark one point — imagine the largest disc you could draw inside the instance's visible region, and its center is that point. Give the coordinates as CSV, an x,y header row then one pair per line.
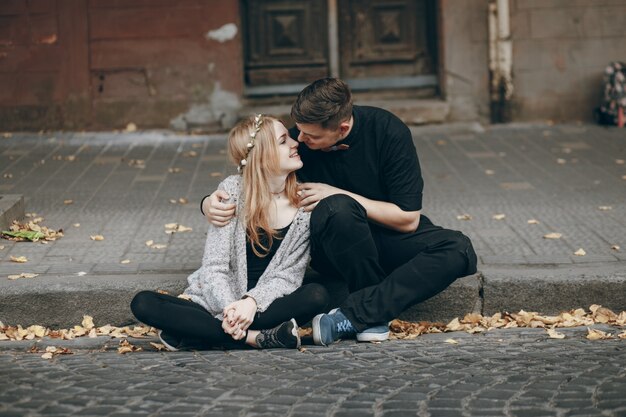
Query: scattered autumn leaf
x,y
88,322
22,275
190,154
125,261
184,297
561,161
552,236
131,127
158,346
126,347
216,174
19,259
1,247
137,163
70,158
76,224
499,216
619,161
615,247
622,335
605,208
555,335
174,170
532,221
183,200
451,341
580,252
490,172
68,202
32,231
594,334
81,273
464,217
97,237
149,242
176,228
7,175
48,40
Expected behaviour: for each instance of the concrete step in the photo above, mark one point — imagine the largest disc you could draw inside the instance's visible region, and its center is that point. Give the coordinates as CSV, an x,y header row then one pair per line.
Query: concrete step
x,y
62,300
411,111
11,208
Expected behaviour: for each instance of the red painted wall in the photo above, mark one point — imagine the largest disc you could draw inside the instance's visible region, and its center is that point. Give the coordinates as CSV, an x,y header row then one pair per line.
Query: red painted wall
x,y
104,63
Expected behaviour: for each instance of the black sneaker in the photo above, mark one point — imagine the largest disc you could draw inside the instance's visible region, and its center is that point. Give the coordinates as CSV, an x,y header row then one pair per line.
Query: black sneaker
x,y
170,342
283,336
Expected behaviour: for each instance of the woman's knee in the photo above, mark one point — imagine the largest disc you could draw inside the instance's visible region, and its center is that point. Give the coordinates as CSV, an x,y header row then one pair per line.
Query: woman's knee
x,y
317,296
142,304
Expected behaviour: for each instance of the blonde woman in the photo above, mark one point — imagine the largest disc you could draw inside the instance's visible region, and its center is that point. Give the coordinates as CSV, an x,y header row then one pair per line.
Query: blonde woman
x,y
248,291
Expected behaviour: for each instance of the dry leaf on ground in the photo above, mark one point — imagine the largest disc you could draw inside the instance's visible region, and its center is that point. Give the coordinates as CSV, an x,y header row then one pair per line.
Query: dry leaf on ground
x,y
555,335
174,170
499,216
125,261
131,127
97,237
158,346
451,341
464,217
605,208
22,275
19,259
68,202
553,235
594,334
126,347
615,247
532,221
580,252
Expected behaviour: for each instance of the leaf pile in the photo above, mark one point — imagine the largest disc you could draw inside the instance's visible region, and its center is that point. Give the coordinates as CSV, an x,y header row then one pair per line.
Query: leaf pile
x,y
477,323
87,328
31,231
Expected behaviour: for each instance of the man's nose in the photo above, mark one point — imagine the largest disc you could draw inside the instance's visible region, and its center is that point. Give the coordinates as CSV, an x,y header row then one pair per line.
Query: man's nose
x,y
300,137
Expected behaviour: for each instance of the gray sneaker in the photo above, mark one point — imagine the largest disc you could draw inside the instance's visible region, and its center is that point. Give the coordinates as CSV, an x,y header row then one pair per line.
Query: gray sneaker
x,y
374,334
168,341
284,336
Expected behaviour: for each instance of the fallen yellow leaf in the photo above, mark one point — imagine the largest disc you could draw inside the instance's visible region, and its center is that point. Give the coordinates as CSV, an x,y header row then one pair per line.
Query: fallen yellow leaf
x,y
580,252
464,217
555,335
532,221
76,225
88,322
552,236
22,275
499,216
68,202
605,208
489,172
158,346
125,261
615,247
149,242
97,237
619,161
561,161
19,259
131,127
451,341
593,334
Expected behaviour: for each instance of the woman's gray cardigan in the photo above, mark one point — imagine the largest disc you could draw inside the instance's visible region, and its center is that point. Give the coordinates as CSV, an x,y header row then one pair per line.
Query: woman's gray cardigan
x,y
223,276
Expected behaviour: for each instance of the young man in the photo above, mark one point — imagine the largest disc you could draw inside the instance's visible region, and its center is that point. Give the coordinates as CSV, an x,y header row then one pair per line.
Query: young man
x,y
362,180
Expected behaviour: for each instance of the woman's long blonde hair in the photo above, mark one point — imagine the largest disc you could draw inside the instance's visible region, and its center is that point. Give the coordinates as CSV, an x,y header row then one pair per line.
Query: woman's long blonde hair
x,y
262,162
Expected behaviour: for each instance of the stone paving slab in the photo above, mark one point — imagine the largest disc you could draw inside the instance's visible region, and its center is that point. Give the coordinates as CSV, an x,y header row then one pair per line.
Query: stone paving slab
x,y
126,187
513,372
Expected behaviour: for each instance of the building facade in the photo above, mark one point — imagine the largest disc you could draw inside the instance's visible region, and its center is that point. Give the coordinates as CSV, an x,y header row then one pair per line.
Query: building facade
x,y
200,64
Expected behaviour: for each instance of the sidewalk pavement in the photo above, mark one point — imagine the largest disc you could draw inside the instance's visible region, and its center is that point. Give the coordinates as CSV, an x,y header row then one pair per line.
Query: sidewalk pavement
x,y
487,182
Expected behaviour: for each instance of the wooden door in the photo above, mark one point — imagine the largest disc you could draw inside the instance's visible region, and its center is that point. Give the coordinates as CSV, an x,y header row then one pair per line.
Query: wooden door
x,y
383,38
376,44
285,41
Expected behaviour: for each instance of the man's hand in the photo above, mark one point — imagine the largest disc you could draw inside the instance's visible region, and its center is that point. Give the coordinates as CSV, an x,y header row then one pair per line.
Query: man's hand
x,y
218,213
312,192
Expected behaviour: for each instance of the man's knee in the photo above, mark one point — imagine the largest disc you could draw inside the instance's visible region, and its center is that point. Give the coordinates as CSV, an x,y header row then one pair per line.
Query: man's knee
x,y
142,304
336,211
462,245
317,296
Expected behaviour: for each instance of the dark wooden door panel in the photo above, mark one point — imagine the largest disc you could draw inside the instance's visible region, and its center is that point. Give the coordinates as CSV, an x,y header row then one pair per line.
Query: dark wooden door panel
x,y
286,41
382,38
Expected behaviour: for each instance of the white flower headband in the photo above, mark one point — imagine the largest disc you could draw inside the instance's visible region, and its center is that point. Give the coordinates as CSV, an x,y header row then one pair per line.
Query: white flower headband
x,y
258,121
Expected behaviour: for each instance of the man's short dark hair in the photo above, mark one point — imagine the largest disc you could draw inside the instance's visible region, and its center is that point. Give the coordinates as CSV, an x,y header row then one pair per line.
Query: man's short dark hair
x,y
327,102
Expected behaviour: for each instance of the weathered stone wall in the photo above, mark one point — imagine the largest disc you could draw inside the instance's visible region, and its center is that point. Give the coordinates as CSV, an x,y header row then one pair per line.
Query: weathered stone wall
x,y
560,49
464,48
105,63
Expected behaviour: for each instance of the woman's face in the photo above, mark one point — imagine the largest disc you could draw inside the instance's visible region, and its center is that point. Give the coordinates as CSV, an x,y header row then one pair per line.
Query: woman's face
x,y
288,158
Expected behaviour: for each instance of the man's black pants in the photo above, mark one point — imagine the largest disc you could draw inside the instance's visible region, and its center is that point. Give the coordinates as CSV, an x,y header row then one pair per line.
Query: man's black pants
x,y
386,271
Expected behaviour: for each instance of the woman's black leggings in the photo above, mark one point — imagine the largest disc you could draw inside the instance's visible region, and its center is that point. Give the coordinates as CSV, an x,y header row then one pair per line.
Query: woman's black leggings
x,y
194,325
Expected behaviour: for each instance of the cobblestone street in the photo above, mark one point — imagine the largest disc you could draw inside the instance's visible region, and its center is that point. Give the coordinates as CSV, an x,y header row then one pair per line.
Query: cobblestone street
x,y
515,372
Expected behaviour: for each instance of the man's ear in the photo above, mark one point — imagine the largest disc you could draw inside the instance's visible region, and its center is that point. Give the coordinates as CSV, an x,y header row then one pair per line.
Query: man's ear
x,y
344,127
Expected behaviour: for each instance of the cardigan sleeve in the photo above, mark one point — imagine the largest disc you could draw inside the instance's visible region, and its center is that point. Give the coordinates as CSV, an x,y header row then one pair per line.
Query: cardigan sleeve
x,y
287,275
213,282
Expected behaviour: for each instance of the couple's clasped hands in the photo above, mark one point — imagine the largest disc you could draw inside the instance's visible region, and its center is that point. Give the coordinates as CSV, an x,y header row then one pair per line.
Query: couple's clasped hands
x,y
238,316
219,213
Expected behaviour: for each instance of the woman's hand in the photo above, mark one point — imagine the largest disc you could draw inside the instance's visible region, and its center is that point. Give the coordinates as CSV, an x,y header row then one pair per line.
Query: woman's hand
x,y
238,316
216,211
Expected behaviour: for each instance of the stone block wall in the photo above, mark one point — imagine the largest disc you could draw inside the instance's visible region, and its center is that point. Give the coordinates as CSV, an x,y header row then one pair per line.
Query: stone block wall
x,y
560,49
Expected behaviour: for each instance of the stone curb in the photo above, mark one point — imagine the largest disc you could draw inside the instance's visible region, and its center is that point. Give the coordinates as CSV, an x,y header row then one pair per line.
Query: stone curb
x,y
11,208
60,301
